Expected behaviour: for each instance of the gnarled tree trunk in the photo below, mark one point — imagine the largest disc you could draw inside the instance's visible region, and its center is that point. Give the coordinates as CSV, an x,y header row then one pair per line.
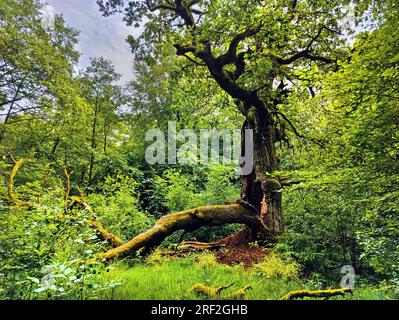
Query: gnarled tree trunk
x,y
260,189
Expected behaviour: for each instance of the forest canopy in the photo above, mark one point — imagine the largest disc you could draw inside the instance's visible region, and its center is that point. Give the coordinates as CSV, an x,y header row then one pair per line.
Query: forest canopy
x,y
310,89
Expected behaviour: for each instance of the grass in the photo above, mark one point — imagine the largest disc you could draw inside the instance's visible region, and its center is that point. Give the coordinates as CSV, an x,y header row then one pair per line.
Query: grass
x,y
172,279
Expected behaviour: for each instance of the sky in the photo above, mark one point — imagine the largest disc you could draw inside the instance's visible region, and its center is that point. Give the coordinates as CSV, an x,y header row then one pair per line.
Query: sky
x,y
99,36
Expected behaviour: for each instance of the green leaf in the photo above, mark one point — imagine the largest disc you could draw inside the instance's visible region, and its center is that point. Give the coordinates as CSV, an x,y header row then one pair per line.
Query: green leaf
x,y
33,279
389,72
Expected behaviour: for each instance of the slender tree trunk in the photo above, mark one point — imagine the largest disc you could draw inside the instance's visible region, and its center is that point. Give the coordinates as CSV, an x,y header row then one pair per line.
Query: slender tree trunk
x,y
10,109
105,136
3,130
56,144
93,141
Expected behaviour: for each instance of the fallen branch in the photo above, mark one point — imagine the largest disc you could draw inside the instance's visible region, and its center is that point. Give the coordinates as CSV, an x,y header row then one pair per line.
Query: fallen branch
x,y
188,221
215,293
237,295
13,200
299,294
103,234
209,292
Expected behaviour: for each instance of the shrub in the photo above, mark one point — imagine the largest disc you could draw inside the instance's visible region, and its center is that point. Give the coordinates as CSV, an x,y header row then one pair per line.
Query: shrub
x,y
276,267
118,207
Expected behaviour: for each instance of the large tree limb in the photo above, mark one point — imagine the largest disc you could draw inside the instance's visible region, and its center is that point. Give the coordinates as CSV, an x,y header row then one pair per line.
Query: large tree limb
x,y
156,7
231,55
188,221
305,54
184,12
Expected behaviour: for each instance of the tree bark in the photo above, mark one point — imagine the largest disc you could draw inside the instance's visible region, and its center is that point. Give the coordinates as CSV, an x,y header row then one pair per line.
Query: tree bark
x,y
260,188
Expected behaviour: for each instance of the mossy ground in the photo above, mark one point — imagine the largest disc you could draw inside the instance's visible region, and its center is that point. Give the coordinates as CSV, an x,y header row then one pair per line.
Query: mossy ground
x,y
172,279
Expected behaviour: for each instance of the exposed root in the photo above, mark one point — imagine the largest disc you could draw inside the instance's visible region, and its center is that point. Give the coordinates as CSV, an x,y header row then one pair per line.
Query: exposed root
x,y
215,293
186,245
299,294
188,221
103,234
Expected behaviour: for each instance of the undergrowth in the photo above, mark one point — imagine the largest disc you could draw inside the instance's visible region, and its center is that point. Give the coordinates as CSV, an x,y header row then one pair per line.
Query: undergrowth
x,y
165,278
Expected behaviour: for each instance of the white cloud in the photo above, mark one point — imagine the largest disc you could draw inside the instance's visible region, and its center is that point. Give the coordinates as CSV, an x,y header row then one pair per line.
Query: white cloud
x,y
99,36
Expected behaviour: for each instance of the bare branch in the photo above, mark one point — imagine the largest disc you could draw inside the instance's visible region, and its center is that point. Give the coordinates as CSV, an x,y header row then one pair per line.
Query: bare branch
x,y
318,142
231,55
182,50
193,60
193,3
306,54
303,54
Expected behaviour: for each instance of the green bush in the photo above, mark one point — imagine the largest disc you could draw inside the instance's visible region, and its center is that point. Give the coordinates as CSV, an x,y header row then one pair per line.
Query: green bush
x,y
118,207
273,266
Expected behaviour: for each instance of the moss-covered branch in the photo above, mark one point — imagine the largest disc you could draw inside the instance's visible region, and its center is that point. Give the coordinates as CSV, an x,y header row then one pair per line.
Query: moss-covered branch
x,y
12,198
103,234
215,293
11,194
299,294
188,221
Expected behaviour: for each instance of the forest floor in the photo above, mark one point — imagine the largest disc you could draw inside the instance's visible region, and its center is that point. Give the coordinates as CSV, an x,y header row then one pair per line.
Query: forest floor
x,y
163,278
